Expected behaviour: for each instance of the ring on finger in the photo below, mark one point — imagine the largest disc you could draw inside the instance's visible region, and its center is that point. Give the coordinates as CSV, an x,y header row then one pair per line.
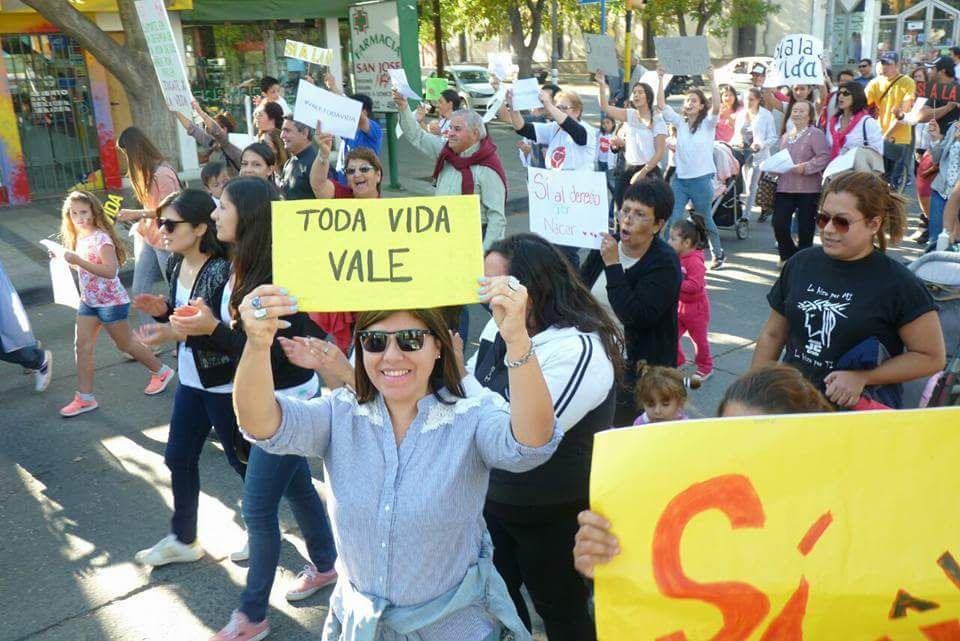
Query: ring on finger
x,y
326,350
513,283
260,313
256,303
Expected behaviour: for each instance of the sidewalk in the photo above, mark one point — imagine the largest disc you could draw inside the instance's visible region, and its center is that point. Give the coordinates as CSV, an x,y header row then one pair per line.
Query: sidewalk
x,y
23,226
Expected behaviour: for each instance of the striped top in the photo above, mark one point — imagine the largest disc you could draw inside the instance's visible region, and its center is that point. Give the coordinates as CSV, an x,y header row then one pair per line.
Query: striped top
x,y
407,519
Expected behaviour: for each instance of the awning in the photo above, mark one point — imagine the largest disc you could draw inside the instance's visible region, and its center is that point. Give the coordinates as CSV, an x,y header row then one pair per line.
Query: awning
x,y
219,11
92,6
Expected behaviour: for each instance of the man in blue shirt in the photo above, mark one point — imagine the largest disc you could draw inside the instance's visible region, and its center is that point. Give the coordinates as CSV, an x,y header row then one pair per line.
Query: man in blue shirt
x,y
865,67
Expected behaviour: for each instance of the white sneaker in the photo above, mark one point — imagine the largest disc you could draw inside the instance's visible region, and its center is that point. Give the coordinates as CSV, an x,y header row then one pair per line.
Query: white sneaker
x,y
169,550
242,554
42,376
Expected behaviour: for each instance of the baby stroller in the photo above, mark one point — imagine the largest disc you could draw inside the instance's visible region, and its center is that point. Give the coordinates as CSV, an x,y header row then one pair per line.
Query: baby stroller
x,y
726,208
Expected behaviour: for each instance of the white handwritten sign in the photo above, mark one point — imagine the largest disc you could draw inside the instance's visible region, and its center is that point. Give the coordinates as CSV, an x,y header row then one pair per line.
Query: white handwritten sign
x,y
375,41
796,61
601,54
166,58
338,115
684,56
398,78
568,207
499,64
526,94
308,53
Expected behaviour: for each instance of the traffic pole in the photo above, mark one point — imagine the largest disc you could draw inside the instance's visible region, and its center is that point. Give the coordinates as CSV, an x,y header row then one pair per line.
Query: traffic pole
x,y
627,54
603,17
409,24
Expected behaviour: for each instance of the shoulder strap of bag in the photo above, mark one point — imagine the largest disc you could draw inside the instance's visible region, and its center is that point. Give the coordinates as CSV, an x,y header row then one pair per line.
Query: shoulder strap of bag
x,y
889,87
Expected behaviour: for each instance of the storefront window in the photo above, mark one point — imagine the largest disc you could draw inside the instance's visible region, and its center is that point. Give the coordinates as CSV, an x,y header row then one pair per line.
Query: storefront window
x,y
887,36
226,62
846,37
941,29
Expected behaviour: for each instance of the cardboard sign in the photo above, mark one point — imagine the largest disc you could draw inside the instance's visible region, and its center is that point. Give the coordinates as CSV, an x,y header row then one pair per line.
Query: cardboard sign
x,y
568,207
375,44
942,91
500,64
797,61
833,526
684,56
166,58
308,53
338,115
112,206
601,54
526,94
371,254
435,87
398,78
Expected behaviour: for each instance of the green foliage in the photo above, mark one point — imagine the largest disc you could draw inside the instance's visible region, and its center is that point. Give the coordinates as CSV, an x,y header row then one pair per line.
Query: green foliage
x,y
719,15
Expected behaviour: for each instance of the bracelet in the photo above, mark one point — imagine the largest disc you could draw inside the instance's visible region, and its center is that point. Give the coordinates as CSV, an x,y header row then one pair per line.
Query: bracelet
x,y
520,361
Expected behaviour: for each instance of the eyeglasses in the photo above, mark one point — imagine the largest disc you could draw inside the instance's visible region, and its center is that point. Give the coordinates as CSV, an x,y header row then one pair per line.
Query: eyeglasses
x,y
625,216
840,223
564,107
168,225
365,169
408,340
843,92
863,66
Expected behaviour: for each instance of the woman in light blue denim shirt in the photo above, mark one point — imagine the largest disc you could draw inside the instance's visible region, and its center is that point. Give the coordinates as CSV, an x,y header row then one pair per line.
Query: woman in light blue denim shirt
x,y
408,459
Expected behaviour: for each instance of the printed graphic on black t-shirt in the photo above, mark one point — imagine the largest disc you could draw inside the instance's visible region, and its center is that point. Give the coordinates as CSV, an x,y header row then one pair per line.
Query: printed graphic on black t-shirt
x,y
823,314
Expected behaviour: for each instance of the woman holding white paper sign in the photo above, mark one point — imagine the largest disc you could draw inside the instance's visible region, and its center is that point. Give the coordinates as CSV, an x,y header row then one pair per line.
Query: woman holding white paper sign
x,y
754,134
695,169
644,134
798,190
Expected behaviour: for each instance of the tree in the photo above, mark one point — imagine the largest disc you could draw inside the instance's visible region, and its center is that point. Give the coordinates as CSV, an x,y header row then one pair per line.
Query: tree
x,y
720,15
129,63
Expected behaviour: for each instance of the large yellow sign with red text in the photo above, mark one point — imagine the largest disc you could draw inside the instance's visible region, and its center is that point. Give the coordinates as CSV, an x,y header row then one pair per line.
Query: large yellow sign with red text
x,y
842,527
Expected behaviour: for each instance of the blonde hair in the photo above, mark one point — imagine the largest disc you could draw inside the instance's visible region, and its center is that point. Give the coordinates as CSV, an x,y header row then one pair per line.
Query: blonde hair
x,y
68,233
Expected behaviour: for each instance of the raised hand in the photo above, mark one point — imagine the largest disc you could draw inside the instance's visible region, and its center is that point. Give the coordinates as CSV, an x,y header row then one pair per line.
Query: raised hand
x,y
151,304
260,313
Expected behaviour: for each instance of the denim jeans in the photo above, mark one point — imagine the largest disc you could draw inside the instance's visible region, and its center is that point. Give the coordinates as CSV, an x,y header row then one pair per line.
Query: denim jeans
x,y
30,356
895,158
699,191
270,476
150,266
935,216
194,410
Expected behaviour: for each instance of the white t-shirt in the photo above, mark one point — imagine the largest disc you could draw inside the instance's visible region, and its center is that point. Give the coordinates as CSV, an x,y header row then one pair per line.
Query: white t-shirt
x,y
599,289
564,154
186,367
604,151
694,157
639,139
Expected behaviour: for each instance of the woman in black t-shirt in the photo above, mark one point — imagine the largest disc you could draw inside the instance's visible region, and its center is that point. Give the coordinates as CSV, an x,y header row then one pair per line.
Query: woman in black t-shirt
x,y
849,316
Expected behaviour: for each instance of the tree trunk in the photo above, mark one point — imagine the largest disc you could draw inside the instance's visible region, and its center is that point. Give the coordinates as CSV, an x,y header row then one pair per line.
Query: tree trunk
x,y
524,50
438,37
681,23
649,31
129,63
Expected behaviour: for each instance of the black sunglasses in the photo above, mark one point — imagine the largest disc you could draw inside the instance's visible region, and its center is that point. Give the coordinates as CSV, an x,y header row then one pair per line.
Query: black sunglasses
x,y
840,223
863,66
168,225
408,340
843,92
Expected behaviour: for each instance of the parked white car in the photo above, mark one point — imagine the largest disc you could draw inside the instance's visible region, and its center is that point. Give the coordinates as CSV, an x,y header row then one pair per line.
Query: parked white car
x,y
472,82
737,71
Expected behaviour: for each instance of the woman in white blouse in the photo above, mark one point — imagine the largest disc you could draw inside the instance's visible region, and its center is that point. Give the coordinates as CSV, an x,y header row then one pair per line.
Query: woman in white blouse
x,y
755,133
852,127
644,135
695,169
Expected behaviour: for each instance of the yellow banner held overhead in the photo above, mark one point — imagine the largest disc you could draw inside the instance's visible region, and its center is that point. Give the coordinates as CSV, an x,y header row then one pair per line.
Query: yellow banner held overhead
x,y
307,53
373,254
841,527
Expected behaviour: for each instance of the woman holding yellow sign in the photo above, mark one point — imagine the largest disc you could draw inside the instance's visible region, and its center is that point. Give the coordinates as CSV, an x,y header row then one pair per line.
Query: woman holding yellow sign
x,y
408,459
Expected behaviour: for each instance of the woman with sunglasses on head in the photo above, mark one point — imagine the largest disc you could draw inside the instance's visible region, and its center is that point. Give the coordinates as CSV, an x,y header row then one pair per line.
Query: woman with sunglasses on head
x,y
853,127
834,302
798,190
532,516
243,220
644,134
197,270
408,458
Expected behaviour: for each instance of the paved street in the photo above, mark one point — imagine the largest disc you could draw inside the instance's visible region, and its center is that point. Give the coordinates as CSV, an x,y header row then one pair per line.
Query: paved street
x,y
79,497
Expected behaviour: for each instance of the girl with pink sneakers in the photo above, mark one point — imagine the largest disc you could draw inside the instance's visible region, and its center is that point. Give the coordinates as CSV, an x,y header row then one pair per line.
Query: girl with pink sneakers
x,y
94,250
688,238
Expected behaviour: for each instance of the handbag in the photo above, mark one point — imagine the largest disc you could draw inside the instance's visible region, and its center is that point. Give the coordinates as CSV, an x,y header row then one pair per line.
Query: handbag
x,y
241,447
766,191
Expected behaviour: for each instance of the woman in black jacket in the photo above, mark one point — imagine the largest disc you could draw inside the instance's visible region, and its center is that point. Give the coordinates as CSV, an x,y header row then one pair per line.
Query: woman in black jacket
x,y
637,276
197,271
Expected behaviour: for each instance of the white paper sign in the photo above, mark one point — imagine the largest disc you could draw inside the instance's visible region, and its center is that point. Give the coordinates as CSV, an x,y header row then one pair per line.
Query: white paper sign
x,y
166,58
683,56
375,43
568,207
843,162
526,94
61,278
651,79
240,141
398,131
797,61
913,117
398,78
493,107
778,163
308,53
338,115
499,64
601,54
248,113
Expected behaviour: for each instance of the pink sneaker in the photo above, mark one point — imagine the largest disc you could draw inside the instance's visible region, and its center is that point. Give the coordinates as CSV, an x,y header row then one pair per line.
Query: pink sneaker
x,y
240,629
158,382
78,406
309,581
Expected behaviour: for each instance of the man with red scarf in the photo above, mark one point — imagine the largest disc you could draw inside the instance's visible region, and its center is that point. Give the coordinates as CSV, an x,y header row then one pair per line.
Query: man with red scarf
x,y
467,163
